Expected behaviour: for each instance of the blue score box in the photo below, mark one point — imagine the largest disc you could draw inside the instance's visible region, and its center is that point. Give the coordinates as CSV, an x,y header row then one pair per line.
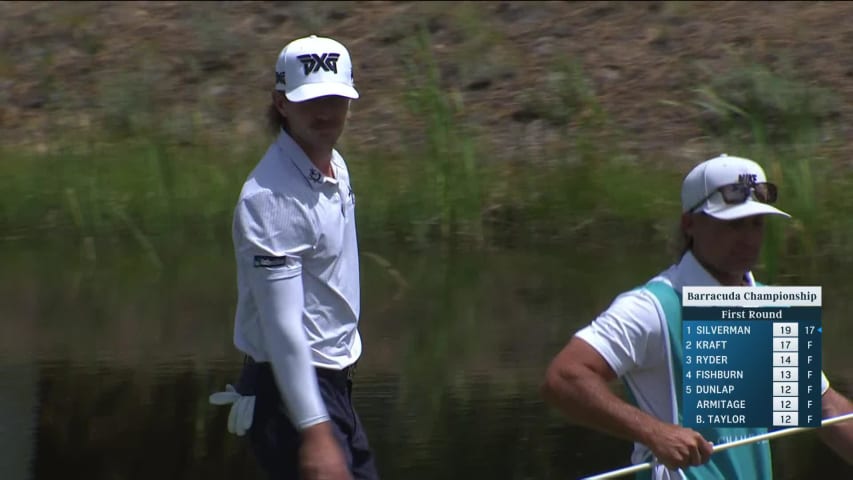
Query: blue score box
x,y
751,367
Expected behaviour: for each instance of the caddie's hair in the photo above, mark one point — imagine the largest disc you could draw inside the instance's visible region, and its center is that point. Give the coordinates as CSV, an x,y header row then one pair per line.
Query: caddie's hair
x,y
680,242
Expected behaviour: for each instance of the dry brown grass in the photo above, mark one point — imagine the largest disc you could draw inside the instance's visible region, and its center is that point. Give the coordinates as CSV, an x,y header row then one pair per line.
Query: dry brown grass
x,y
83,68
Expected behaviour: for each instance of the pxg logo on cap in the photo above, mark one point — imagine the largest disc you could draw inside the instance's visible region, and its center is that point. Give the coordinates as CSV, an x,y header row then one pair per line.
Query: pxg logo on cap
x,y
313,67
313,62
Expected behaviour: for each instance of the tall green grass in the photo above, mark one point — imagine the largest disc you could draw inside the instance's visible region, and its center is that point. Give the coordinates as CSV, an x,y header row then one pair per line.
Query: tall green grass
x,y
138,193
146,186
451,180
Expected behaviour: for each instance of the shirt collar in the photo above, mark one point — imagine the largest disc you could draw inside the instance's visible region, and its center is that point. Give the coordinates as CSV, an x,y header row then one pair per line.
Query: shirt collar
x,y
690,272
312,174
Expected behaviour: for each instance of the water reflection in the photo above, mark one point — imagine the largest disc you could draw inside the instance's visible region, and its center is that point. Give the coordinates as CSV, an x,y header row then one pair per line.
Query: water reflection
x,y
145,422
105,369
18,400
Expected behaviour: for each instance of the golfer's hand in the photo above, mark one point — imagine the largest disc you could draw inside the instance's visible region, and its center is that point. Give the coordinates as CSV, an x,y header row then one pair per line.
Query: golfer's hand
x,y
679,447
320,456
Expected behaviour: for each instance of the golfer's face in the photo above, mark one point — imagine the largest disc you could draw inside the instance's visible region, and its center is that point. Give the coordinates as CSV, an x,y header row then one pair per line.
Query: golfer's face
x,y
731,246
319,121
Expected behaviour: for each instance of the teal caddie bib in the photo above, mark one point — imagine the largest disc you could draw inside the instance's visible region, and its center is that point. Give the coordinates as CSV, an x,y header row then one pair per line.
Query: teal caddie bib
x,y
747,462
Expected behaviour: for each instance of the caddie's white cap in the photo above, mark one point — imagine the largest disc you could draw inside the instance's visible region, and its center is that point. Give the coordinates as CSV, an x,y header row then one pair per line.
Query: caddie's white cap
x,y
712,174
312,67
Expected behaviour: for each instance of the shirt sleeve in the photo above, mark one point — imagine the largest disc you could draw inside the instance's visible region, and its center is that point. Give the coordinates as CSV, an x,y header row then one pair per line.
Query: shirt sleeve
x,y
627,334
272,235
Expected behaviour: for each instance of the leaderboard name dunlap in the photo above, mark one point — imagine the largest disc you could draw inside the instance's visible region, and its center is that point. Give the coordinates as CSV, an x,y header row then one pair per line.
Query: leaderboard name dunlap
x,y
752,357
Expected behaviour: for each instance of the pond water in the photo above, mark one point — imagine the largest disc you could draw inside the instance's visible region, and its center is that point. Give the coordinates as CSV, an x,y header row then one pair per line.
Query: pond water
x,y
106,363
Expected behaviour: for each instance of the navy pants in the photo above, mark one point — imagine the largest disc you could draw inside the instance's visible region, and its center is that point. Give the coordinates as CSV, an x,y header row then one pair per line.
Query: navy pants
x,y
276,442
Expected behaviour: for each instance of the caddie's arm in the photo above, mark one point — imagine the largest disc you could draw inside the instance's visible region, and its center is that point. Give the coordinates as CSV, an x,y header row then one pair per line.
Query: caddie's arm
x,y
839,436
576,383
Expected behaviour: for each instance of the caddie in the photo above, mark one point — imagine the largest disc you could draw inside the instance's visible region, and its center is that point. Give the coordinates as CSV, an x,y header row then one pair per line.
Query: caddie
x,y
725,203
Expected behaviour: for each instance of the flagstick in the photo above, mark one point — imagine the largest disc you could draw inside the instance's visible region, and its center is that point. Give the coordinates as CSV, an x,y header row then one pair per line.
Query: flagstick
x,y
718,448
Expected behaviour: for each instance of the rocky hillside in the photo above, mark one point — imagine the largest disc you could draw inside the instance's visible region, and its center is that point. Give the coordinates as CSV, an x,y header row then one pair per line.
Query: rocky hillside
x,y
526,76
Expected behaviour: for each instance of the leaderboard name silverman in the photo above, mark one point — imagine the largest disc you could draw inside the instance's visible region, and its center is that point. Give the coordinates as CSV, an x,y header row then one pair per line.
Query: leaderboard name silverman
x,y
298,279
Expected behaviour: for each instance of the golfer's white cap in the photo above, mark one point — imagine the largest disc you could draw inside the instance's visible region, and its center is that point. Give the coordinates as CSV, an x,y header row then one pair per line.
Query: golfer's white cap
x,y
312,67
712,174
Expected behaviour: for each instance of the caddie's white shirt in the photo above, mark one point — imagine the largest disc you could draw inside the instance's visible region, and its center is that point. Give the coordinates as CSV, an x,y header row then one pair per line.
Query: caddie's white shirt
x,y
288,208
632,337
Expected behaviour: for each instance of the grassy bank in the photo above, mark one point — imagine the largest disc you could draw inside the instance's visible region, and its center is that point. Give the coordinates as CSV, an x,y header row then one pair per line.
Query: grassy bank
x,y
150,193
150,185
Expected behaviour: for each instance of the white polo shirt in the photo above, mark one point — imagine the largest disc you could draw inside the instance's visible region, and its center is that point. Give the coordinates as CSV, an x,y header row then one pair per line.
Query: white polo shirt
x,y
297,272
632,337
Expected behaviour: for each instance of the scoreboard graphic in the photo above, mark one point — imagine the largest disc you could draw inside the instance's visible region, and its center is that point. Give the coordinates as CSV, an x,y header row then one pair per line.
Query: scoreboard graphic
x,y
752,356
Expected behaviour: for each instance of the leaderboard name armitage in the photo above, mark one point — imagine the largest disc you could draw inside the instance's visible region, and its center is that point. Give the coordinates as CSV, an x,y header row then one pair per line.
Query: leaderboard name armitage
x,y
753,295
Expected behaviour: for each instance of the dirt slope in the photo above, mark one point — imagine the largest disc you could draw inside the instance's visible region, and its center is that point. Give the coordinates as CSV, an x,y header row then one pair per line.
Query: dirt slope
x,y
124,66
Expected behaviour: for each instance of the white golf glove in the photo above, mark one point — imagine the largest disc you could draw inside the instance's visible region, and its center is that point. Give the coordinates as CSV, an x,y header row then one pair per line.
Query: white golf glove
x,y
242,409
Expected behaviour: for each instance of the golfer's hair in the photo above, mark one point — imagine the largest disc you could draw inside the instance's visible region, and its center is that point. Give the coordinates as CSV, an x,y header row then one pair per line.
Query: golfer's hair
x,y
275,120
